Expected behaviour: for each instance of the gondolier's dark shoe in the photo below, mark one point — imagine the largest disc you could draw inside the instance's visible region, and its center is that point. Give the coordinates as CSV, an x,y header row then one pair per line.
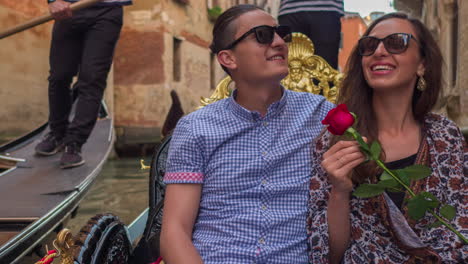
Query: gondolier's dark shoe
x,y
50,145
71,157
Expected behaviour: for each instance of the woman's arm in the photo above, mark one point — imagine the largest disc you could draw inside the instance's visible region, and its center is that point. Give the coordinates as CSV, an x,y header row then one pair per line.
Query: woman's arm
x,y
180,212
338,162
338,225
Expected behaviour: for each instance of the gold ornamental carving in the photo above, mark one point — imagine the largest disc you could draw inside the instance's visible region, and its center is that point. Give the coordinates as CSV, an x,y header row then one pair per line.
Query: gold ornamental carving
x,y
307,73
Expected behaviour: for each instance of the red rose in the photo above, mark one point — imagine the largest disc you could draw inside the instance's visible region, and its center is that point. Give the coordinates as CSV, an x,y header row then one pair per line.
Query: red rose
x,y
338,120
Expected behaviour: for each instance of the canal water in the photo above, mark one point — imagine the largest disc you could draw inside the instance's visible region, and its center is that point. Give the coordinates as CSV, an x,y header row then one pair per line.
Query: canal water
x,y
121,189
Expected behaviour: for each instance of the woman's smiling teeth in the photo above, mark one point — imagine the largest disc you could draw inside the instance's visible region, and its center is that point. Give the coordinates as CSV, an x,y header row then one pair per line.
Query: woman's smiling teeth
x,y
382,68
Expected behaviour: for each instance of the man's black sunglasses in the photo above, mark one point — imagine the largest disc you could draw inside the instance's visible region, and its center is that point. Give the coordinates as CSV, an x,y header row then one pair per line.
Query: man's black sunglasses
x,y
394,43
264,35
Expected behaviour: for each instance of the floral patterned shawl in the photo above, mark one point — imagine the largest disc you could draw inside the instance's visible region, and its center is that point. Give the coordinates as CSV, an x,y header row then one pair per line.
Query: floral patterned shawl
x,y
380,233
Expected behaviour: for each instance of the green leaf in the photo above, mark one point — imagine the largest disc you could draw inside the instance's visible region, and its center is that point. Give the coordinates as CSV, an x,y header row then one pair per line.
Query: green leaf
x,y
389,183
416,172
395,189
435,224
433,202
417,207
448,211
403,176
366,190
428,195
215,12
359,139
385,176
375,150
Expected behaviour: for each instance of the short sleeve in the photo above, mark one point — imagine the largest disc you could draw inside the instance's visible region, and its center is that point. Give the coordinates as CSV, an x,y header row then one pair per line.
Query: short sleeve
x,y
185,160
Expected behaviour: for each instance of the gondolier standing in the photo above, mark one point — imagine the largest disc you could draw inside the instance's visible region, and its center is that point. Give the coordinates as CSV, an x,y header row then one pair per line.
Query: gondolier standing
x,y
320,20
82,45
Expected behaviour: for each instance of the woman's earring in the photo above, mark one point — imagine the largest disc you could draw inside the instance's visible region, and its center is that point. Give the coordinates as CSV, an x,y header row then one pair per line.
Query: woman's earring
x,y
421,86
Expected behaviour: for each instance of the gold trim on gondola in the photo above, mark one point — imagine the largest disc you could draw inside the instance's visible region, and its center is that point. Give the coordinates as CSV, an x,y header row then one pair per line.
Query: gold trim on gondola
x,y
143,166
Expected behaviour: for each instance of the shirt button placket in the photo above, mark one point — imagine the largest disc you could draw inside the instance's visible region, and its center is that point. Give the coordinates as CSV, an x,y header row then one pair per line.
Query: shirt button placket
x,y
265,139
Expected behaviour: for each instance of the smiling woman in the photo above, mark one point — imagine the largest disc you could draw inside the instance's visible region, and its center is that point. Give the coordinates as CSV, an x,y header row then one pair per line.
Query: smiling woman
x,y
393,81
390,60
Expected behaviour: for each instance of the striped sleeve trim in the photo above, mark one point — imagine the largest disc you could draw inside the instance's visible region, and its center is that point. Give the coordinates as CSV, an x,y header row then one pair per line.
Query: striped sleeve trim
x,y
183,177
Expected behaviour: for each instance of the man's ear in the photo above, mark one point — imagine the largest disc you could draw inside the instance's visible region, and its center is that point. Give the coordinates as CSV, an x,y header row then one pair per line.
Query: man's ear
x,y
227,59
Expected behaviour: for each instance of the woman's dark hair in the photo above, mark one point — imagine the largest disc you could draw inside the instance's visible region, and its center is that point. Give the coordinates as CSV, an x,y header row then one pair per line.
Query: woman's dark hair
x,y
225,29
357,95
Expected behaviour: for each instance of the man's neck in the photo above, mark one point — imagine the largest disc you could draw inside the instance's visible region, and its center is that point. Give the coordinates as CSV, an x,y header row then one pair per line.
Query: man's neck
x,y
257,97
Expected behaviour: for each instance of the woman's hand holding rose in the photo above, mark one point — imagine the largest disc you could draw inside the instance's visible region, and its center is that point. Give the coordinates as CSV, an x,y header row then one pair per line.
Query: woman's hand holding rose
x,y
339,161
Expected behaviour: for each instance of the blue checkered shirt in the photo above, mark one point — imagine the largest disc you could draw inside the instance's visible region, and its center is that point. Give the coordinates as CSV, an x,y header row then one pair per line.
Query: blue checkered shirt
x,y
255,173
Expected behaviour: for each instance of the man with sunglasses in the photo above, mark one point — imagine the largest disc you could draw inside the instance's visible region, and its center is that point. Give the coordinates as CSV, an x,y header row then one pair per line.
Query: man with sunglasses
x,y
238,169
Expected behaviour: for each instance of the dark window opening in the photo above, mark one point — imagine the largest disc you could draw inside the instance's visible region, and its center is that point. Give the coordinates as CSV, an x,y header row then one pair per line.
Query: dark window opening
x,y
176,60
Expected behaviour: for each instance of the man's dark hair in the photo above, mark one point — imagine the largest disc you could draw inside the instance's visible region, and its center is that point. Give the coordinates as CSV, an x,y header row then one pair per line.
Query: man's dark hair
x,y
225,28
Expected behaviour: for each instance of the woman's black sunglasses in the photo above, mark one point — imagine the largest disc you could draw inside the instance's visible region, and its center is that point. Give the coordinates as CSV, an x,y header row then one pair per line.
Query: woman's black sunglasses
x,y
264,35
394,43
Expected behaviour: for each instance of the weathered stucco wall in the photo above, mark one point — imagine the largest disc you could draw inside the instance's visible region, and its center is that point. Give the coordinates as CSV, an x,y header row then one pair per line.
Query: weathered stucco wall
x,y
462,76
448,21
147,57
23,69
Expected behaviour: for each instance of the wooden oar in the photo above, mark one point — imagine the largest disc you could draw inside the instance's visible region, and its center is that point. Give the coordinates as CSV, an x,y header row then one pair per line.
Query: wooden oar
x,y
44,18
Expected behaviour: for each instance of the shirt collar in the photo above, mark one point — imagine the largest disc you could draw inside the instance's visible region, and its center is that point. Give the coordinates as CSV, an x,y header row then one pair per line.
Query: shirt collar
x,y
273,110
